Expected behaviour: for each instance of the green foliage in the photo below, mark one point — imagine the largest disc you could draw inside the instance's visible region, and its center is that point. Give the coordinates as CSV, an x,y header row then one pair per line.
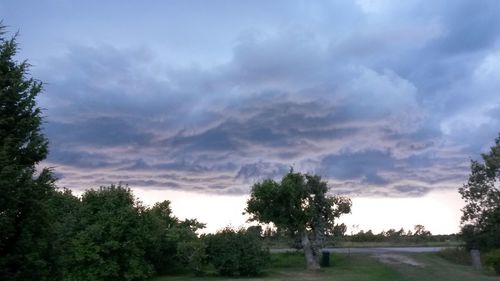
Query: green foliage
x,y
493,259
25,242
110,241
192,254
481,214
300,206
64,208
236,252
161,247
169,240
458,255
299,202
339,230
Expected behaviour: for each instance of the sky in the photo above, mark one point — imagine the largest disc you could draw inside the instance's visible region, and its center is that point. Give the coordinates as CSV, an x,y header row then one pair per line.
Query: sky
x,y
195,101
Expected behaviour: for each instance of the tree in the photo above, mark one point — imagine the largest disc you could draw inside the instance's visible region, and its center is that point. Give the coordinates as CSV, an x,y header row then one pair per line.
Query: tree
x,y
25,248
172,243
110,240
481,214
64,208
419,230
300,205
339,230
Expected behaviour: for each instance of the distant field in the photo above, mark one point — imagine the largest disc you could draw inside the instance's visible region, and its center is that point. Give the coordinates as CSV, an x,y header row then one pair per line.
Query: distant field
x,y
348,244
361,267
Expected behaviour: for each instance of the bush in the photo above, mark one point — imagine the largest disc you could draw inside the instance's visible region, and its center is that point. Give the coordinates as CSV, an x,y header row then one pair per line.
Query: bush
x,y
109,244
457,255
493,259
236,252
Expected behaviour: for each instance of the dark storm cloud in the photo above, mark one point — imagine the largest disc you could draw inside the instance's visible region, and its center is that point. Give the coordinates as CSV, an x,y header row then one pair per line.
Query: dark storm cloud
x,y
362,166
380,97
101,131
80,159
469,26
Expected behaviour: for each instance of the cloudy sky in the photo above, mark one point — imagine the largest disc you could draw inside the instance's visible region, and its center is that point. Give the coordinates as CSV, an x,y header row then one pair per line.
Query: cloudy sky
x,y
197,100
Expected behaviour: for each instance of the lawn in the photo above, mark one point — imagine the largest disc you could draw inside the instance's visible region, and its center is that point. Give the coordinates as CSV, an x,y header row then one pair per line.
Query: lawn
x,y
362,267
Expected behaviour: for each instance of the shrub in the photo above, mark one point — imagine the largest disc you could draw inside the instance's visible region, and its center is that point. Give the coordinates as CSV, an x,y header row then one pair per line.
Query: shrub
x,y
236,252
493,259
109,244
457,255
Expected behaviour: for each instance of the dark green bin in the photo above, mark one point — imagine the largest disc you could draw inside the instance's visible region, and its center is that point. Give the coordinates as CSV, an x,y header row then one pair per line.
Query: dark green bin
x,y
325,259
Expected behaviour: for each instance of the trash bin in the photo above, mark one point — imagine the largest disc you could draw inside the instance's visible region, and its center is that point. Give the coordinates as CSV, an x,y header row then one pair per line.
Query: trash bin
x,y
325,259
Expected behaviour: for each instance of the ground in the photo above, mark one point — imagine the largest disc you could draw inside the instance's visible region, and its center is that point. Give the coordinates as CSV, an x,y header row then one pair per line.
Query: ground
x,y
362,267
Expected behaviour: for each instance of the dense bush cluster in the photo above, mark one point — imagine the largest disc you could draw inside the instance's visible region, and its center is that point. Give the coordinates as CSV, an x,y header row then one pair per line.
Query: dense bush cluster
x,y
108,235
236,252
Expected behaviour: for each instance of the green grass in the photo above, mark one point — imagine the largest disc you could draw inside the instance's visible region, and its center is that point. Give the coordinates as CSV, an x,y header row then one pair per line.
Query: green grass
x,y
357,267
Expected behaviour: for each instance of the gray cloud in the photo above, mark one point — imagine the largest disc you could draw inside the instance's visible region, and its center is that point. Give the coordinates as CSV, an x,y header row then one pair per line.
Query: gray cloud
x,y
381,100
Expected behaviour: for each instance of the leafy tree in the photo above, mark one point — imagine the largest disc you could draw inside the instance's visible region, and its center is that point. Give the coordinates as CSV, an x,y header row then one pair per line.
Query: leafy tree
x,y
172,243
481,214
110,240
300,205
419,230
339,230
25,245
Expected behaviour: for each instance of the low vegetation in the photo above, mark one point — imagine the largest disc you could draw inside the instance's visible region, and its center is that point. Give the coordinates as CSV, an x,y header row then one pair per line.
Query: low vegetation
x,y
458,255
354,267
236,253
493,260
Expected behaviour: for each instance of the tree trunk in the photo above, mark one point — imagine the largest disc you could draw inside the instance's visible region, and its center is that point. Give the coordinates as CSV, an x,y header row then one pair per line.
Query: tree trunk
x,y
312,259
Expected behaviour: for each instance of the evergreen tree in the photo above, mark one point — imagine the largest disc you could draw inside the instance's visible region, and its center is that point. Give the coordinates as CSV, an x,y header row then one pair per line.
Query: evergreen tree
x,y
24,219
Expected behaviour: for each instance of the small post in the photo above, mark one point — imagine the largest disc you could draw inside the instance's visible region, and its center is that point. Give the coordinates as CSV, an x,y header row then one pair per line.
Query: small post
x,y
476,259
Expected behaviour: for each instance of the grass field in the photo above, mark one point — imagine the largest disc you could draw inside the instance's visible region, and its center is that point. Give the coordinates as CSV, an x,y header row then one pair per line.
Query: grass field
x,y
359,267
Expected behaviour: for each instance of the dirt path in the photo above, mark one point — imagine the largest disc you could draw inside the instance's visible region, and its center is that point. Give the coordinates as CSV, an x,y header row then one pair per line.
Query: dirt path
x,y
397,259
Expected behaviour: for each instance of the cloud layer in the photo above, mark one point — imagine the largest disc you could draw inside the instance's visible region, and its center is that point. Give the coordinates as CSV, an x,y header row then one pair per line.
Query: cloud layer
x,y
381,98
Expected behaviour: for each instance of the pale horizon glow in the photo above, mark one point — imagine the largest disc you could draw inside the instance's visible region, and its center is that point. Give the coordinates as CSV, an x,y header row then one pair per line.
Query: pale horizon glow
x,y
438,211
